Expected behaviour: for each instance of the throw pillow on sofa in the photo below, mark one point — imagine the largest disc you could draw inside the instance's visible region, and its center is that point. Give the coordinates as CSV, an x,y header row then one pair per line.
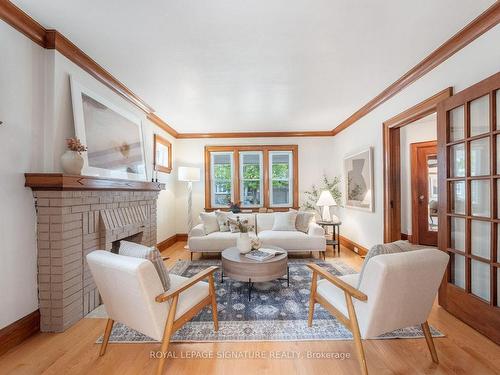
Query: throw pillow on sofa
x,y
285,221
209,221
222,220
304,219
152,254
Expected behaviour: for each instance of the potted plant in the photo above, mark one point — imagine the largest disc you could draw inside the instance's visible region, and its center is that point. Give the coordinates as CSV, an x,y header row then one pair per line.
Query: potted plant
x,y
72,160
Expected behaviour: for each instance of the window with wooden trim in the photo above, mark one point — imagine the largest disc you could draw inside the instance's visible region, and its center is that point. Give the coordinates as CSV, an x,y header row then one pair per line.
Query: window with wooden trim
x,y
255,176
221,184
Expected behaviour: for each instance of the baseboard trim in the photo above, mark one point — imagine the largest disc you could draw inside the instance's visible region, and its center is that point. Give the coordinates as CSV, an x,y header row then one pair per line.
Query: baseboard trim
x,y
346,242
20,330
165,244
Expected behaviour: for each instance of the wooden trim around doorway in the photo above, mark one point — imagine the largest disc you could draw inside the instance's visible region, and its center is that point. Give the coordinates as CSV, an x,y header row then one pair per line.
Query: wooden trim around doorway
x,y
392,160
414,191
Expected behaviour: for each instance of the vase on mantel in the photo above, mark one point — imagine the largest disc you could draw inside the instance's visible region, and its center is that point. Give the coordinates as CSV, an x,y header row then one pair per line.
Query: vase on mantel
x,y
243,243
72,162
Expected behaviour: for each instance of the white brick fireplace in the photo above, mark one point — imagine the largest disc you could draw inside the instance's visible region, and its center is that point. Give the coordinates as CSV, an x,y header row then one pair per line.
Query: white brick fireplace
x,y
77,215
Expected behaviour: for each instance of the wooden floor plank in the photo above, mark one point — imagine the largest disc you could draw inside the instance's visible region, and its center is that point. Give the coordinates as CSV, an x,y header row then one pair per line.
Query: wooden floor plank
x,y
462,351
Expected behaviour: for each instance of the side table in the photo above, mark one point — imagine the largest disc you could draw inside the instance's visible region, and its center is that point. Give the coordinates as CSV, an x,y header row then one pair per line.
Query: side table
x,y
335,241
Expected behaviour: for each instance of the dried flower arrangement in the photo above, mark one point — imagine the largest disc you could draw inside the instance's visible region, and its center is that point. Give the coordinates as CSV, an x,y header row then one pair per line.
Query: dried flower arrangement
x,y
242,225
74,144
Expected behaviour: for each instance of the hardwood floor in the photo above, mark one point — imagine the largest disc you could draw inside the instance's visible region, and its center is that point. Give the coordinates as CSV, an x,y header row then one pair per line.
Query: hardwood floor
x,y
462,351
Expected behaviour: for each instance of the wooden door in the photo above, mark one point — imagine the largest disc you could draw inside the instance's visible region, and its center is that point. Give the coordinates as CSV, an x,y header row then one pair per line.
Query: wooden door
x,y
469,184
424,190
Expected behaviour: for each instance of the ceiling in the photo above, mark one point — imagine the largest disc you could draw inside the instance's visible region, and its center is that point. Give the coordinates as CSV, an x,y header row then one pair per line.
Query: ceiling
x,y
264,65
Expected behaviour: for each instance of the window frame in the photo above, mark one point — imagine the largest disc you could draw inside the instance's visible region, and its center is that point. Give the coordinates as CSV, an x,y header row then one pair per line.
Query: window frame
x,y
266,177
212,180
241,154
289,180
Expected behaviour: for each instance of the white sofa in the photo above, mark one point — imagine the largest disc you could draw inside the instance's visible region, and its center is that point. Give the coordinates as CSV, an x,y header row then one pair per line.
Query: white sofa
x,y
292,241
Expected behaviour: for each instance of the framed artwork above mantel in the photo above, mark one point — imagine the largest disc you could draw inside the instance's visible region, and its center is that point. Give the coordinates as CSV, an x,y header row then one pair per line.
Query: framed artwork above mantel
x,y
162,151
112,134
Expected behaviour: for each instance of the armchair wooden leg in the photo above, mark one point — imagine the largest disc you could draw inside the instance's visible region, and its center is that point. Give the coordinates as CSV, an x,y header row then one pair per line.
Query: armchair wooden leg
x,y
356,335
430,342
167,334
214,301
312,298
105,339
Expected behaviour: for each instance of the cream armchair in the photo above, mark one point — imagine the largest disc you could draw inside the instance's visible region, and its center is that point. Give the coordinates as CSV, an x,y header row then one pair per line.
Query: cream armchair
x,y
395,291
133,295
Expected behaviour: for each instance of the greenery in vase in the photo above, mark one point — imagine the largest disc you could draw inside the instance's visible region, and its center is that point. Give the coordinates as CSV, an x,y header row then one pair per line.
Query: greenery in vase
x,y
312,196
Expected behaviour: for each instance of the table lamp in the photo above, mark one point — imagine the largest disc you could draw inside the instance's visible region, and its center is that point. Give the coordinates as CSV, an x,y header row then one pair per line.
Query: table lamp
x,y
326,200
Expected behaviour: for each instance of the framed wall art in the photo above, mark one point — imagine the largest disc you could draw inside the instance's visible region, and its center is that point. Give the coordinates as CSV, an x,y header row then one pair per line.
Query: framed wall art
x,y
112,134
358,174
162,151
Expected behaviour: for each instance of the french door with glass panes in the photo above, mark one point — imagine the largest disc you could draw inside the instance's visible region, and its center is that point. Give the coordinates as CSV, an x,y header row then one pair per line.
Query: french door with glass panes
x,y
469,184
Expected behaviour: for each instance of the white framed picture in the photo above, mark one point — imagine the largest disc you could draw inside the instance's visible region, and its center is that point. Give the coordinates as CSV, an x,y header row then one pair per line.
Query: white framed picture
x,y
358,174
112,135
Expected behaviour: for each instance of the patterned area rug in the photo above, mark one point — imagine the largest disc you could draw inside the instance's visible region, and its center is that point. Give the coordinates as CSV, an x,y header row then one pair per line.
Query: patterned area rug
x,y
274,313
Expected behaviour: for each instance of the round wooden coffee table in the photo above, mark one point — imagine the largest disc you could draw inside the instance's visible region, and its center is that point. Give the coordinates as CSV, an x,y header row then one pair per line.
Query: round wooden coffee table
x,y
238,267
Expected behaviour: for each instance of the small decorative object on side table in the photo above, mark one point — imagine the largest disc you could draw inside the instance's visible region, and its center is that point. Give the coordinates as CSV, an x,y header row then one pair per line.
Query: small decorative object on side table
x,y
335,241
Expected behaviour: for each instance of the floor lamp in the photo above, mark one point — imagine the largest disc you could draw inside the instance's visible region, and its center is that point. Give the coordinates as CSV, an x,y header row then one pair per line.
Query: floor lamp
x,y
189,175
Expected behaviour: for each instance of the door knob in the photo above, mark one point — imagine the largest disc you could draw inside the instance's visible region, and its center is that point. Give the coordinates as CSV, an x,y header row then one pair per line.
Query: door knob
x,y
421,197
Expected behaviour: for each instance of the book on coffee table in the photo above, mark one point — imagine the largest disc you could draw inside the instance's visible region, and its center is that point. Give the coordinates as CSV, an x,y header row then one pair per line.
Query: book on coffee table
x,y
263,254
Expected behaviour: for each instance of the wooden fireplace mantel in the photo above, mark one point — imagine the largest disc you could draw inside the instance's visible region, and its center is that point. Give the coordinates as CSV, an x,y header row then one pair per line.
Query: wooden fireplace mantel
x,y
61,181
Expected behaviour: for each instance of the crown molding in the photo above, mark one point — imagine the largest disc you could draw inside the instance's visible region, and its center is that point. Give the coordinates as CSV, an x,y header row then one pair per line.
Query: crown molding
x,y
52,39
162,125
22,22
477,27
319,133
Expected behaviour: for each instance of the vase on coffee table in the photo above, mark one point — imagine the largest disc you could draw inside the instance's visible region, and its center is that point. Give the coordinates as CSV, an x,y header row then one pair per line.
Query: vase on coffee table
x,y
244,243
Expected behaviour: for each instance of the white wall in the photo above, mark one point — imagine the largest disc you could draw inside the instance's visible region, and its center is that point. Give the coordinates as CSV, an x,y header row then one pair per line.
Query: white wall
x,y
477,61
21,148
422,130
316,157
35,106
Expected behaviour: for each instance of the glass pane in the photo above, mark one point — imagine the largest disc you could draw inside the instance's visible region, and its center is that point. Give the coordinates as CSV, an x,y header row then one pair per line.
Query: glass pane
x,y
498,109
250,193
480,197
498,243
281,167
498,269
457,160
458,268
498,200
221,178
457,124
251,178
222,199
457,191
480,279
281,192
480,157
457,233
480,236
498,150
433,192
480,116
281,184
